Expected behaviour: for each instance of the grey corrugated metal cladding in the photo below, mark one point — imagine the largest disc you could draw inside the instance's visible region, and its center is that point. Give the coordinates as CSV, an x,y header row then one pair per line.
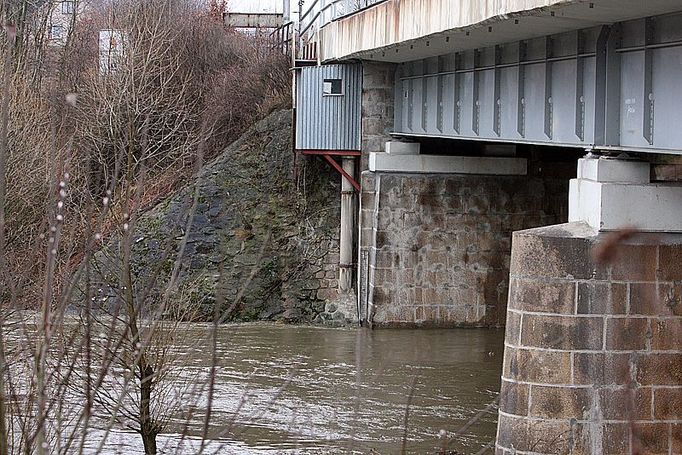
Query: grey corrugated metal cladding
x,y
328,107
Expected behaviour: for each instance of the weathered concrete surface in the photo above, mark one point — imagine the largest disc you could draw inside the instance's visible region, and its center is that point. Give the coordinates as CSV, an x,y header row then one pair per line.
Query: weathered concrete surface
x,y
246,196
404,30
438,246
593,353
392,22
447,164
611,194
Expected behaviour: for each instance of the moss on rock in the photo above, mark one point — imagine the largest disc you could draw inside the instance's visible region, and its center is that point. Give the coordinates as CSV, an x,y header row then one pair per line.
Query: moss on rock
x,y
246,196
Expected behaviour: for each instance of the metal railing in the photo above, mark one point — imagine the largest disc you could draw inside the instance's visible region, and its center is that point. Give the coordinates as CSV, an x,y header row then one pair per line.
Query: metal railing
x,y
281,37
321,12
318,14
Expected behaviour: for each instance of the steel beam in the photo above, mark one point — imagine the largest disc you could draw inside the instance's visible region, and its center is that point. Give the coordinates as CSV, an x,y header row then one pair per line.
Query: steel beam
x,y
549,119
497,112
476,107
648,96
521,91
580,86
457,92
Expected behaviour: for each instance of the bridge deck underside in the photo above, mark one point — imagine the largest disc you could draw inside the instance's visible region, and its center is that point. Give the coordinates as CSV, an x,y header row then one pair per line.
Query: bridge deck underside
x,y
615,86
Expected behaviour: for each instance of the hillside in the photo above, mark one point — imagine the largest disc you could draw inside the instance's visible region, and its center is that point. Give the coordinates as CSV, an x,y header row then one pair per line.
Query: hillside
x,y
259,243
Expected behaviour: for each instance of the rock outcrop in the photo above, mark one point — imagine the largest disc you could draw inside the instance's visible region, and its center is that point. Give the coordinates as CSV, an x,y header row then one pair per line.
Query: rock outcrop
x,y
260,246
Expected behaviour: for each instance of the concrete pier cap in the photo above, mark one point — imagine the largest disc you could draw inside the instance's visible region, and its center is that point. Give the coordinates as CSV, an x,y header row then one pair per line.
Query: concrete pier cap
x,y
612,193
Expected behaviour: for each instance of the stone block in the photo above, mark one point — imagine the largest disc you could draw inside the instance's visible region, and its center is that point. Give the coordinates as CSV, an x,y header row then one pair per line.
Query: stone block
x,y
428,313
613,170
562,332
611,206
404,296
627,334
601,297
514,398
560,402
626,403
665,172
367,200
670,296
616,438
373,125
650,438
532,365
609,368
676,438
670,262
660,369
668,403
402,148
537,436
327,294
552,256
538,295
401,314
458,314
655,299
666,334
635,263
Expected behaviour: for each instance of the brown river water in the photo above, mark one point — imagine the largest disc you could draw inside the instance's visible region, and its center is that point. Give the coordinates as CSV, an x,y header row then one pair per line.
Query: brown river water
x,y
294,389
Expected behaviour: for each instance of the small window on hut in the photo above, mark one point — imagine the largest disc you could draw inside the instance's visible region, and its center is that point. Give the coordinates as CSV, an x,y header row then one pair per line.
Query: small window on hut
x,y
332,87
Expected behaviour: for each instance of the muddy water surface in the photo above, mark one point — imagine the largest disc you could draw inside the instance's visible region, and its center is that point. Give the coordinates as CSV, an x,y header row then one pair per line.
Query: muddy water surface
x,y
292,389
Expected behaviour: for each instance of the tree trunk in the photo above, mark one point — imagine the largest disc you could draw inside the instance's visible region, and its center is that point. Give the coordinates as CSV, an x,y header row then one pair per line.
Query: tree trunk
x,y
147,428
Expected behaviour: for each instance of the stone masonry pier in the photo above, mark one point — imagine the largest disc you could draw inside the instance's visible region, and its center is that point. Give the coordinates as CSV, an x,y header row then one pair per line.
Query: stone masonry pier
x,y
593,353
437,247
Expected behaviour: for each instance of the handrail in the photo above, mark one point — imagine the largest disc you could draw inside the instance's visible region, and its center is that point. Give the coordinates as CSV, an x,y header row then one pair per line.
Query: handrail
x,y
312,5
281,27
318,14
359,6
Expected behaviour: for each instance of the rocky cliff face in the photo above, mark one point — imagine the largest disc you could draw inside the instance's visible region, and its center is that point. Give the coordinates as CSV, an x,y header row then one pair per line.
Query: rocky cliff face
x,y
259,243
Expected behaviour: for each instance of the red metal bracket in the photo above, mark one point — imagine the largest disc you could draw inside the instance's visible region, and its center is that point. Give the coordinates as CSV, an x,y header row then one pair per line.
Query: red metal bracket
x,y
328,154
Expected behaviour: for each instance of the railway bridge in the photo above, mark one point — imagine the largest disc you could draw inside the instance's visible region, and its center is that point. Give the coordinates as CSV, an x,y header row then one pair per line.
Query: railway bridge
x,y
517,164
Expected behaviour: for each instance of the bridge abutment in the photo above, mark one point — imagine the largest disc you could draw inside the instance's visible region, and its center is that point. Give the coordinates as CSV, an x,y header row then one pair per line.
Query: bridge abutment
x,y
593,346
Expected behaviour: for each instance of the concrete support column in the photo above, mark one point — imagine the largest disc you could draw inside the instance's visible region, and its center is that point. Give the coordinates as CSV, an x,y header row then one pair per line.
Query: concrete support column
x,y
346,261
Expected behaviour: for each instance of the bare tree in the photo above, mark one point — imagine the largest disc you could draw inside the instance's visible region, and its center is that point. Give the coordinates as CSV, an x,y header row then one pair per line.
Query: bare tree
x,y
82,155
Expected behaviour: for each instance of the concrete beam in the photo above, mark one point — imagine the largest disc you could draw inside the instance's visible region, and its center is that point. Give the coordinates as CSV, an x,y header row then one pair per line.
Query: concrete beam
x,y
405,30
613,170
403,148
445,164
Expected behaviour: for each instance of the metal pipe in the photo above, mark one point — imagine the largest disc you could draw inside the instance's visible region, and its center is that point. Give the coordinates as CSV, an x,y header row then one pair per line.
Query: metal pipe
x,y
347,231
